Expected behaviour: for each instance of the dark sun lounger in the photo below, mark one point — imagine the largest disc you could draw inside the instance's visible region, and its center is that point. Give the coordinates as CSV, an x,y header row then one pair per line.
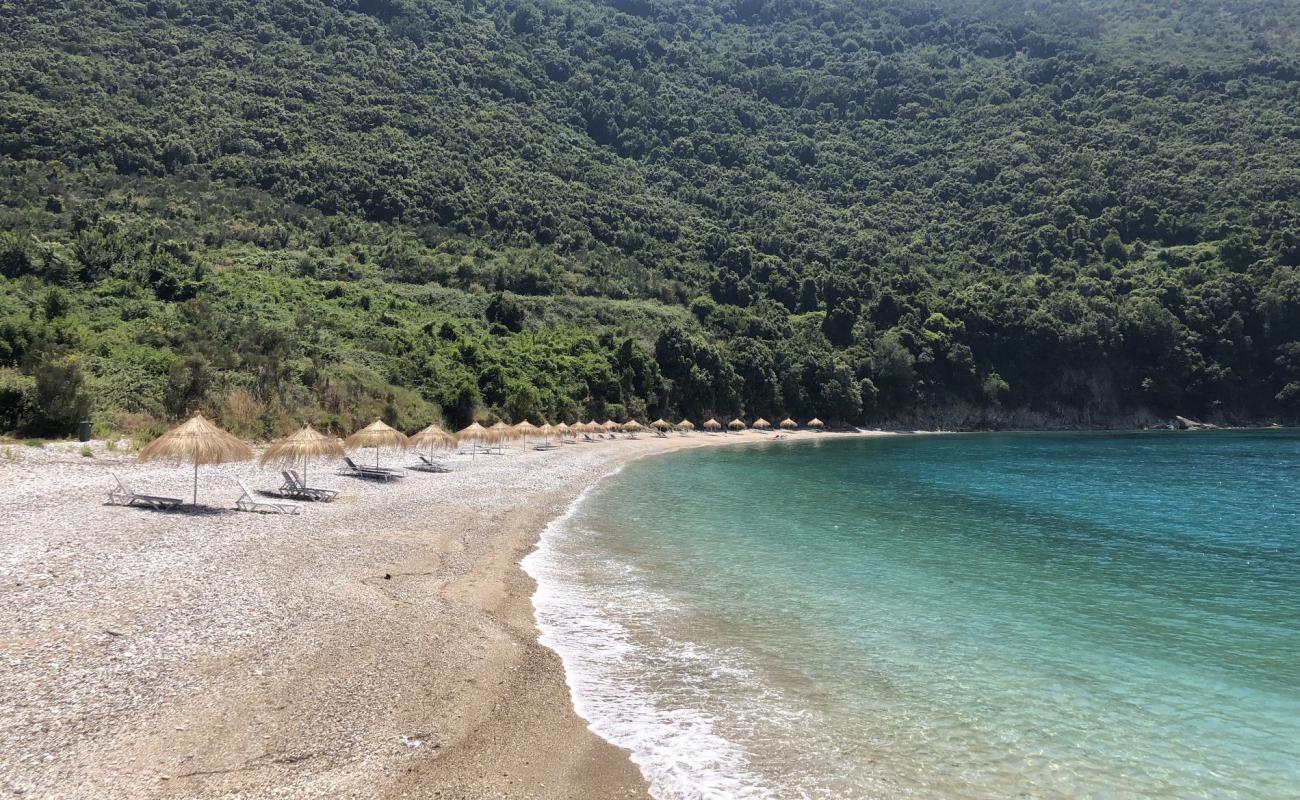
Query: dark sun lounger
x,y
373,473
295,488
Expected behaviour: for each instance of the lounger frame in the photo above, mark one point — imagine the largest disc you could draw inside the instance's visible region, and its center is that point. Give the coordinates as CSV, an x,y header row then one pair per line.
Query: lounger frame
x,y
124,496
373,473
295,488
248,502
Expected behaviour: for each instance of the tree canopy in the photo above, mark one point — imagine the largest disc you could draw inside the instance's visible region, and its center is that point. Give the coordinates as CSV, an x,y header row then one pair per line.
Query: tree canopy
x,y
972,213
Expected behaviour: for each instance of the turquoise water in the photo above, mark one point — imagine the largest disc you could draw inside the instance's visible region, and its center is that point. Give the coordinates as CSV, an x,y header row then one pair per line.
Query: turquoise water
x,y
982,616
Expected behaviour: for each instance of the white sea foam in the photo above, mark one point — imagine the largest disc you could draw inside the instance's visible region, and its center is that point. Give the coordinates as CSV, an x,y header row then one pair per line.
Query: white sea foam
x,y
637,690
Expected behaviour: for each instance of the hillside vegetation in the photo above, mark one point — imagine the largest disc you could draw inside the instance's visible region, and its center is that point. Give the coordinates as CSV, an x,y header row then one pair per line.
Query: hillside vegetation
x,y
980,212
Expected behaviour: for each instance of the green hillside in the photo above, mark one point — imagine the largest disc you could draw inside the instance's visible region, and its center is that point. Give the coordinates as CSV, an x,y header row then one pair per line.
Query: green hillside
x,y
980,212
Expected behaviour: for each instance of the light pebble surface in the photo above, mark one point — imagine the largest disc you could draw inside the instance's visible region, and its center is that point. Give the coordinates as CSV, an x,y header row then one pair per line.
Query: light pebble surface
x,y
382,645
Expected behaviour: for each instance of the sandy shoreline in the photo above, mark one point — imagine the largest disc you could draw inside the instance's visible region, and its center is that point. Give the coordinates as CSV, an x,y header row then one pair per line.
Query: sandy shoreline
x,y
379,646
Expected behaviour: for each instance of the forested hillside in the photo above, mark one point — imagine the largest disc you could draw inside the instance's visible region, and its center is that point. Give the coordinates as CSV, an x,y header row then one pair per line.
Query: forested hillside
x,y
978,212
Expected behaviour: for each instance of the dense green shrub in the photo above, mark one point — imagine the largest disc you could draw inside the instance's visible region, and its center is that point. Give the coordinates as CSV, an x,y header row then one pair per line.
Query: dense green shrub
x,y
58,400
17,395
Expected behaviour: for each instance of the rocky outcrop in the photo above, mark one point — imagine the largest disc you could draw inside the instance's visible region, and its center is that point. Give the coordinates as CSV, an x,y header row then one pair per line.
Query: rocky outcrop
x,y
1185,424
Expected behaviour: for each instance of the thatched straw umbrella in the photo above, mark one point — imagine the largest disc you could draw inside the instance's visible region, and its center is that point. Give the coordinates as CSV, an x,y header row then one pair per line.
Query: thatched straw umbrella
x,y
609,425
662,424
196,442
736,425
762,424
379,436
303,446
788,424
685,425
502,432
434,438
525,429
632,426
546,430
561,431
816,423
475,434
712,424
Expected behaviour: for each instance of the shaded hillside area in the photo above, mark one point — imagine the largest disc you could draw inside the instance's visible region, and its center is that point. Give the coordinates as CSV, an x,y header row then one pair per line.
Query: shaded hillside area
x,y
967,213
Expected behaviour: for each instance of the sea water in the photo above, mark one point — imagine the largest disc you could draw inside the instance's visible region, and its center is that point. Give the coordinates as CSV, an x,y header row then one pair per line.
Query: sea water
x,y
965,616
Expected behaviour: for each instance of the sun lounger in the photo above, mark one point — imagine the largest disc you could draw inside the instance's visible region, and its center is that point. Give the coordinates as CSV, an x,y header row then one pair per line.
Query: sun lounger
x,y
292,488
296,488
373,473
428,465
248,502
124,496
325,495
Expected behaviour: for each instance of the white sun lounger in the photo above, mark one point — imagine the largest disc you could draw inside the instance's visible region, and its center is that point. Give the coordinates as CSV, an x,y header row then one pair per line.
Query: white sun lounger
x,y
124,496
248,502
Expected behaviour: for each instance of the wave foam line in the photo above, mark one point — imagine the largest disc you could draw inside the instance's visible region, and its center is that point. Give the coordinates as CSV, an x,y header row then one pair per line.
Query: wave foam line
x,y
612,676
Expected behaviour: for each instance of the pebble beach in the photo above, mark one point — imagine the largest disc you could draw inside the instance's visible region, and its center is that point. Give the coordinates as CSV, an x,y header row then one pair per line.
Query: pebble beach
x,y
382,645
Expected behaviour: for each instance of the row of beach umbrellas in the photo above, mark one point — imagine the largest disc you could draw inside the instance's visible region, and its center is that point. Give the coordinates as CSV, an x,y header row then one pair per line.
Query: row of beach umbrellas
x,y
198,442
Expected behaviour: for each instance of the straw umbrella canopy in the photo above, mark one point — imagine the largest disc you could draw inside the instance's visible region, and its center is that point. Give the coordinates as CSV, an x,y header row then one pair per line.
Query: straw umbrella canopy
x,y
662,424
524,430
712,424
686,425
562,430
609,425
379,436
762,424
632,426
789,424
546,430
196,442
736,425
434,438
303,446
816,423
502,432
475,434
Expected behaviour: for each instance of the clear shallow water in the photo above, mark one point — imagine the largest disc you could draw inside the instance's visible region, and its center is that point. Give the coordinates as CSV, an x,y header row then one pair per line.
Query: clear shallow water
x,y
986,616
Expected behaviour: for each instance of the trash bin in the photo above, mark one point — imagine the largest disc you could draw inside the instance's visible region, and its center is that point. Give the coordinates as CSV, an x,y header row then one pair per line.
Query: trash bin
x,y
83,431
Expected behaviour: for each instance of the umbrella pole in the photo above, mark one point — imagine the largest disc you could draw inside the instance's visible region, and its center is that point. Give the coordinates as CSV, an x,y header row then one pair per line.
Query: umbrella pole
x,y
195,500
